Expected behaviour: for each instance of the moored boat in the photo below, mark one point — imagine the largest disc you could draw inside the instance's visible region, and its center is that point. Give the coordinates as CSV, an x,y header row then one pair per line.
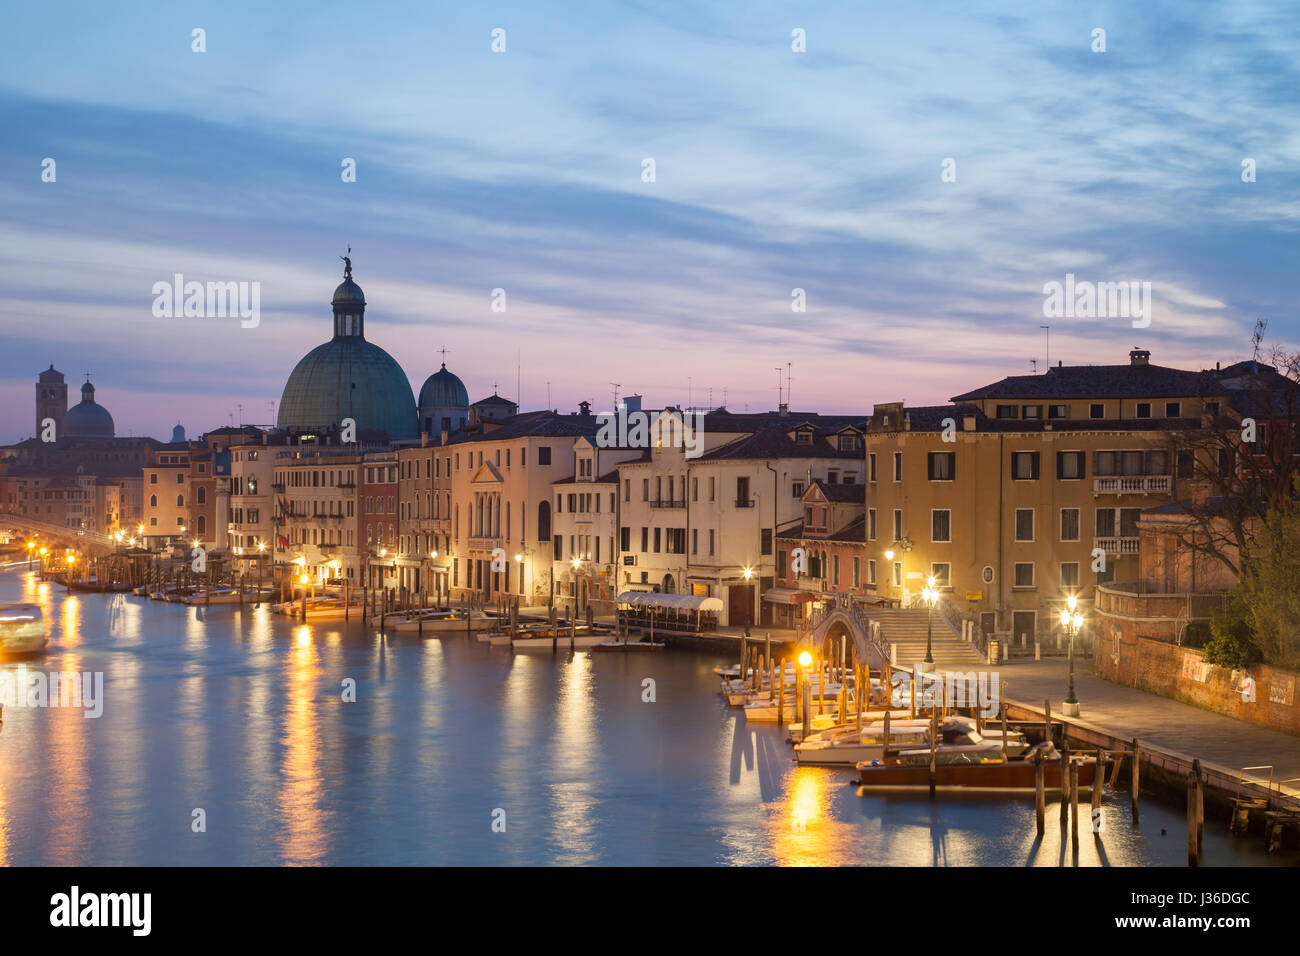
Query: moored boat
x,y
971,768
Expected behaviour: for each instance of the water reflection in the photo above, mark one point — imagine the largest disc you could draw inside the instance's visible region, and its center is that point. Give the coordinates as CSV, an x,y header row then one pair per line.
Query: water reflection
x,y
239,711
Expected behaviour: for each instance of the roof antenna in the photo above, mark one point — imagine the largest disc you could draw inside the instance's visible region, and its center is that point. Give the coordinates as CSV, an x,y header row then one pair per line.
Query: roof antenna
x,y
1034,363
1047,337
778,388
616,387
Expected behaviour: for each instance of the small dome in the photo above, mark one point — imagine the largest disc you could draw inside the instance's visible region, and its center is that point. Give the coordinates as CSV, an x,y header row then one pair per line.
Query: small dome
x,y
88,419
442,389
348,292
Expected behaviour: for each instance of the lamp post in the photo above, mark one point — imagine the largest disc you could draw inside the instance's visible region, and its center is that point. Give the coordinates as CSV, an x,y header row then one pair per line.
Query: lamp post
x,y
1071,621
930,594
749,598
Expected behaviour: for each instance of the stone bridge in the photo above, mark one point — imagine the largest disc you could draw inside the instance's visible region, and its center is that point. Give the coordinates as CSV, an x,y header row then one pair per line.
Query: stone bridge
x,y
92,543
844,617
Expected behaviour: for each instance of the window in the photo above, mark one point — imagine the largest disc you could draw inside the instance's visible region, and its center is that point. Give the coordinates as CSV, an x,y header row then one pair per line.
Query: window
x,y
1144,410
1031,411
153,477
1070,575
832,476
153,501
871,572
898,466
941,525
543,455
898,574
871,524
796,489
1069,465
857,571
1173,409
765,541
942,574
625,539
1024,574
645,489
742,490
1186,464
1058,411
941,465
1212,408
1006,411
1024,465
871,467
180,501
1069,524
898,525
1096,410
645,540
1024,524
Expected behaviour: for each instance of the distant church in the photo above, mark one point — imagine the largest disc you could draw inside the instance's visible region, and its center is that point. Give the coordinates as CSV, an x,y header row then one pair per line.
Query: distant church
x,y
88,419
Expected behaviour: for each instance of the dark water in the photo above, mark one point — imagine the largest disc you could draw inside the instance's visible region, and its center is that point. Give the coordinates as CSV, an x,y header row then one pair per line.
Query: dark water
x,y
240,713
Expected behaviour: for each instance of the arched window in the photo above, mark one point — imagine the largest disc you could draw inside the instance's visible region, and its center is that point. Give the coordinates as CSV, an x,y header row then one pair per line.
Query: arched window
x,y
180,501
202,525
153,501
544,520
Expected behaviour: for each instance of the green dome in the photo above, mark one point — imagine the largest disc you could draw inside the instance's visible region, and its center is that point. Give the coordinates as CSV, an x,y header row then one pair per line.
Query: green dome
x,y
349,377
348,292
442,389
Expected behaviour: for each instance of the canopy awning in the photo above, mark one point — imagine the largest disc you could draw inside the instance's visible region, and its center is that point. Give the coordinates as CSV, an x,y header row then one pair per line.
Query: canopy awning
x,y
674,602
788,596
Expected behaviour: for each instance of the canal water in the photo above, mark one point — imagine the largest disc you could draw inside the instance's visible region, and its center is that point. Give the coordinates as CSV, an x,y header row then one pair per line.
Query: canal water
x,y
242,715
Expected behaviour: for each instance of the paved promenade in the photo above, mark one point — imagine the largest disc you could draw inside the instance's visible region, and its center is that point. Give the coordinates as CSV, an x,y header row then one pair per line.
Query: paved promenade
x,y
1154,719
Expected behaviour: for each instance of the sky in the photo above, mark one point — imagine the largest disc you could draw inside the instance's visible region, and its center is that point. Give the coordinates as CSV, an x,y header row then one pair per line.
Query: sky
x,y
523,170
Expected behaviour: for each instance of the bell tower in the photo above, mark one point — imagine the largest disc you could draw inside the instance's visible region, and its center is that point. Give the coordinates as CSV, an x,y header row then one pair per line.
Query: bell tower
x,y
51,400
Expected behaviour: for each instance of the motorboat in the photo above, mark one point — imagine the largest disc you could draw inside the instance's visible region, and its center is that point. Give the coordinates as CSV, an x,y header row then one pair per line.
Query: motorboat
x,y
435,621
971,766
846,745
23,632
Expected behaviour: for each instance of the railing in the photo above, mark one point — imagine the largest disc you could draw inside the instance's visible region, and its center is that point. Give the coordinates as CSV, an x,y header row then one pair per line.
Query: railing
x,y
1128,545
1132,484
742,503
671,503
484,543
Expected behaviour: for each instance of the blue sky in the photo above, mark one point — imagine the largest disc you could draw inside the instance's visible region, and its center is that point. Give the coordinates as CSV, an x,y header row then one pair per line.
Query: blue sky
x,y
522,171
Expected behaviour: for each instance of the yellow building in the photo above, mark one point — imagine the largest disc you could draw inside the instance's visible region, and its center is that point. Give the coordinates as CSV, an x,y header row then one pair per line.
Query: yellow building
x,y
1027,490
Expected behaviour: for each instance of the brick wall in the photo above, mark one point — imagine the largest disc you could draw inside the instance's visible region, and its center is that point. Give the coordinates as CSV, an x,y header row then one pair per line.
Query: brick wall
x,y
1178,672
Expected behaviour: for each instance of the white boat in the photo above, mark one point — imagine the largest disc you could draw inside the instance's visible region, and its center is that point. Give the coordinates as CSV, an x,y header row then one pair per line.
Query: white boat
x,y
22,630
845,745
435,622
322,609
229,596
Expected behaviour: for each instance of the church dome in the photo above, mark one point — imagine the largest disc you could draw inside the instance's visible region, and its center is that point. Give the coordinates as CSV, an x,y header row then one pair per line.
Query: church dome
x,y
348,377
442,389
88,419
348,292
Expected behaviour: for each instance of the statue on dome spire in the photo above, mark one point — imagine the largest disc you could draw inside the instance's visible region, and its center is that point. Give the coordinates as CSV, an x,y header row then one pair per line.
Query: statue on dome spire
x,y
347,264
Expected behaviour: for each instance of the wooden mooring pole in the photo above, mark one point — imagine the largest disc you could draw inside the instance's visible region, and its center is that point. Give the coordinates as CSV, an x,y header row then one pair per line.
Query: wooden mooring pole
x,y
1134,780
1195,814
1040,796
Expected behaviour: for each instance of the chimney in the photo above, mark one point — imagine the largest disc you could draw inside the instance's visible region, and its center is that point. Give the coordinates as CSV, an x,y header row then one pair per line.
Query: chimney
x,y
424,439
783,410
1139,357
968,423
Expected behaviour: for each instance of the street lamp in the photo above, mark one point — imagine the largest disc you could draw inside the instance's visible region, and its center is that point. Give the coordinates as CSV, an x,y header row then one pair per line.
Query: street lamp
x,y
1071,621
749,598
930,594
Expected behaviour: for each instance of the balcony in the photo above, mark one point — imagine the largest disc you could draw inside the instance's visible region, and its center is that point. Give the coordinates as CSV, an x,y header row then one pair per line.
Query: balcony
x,y
1117,545
1133,485
742,503
484,543
670,503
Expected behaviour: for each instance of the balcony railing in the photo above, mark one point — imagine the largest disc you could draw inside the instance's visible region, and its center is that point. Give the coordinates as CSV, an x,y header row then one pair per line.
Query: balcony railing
x,y
742,503
1133,485
671,503
484,543
1117,545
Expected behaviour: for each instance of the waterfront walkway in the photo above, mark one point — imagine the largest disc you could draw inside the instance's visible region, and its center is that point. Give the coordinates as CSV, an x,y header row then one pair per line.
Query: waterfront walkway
x,y
1152,719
